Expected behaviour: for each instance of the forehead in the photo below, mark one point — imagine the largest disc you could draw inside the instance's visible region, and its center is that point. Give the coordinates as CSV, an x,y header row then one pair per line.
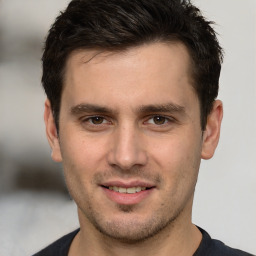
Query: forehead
x,y
155,72
158,53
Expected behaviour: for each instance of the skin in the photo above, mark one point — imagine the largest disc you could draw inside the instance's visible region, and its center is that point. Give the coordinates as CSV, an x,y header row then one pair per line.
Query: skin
x,y
132,118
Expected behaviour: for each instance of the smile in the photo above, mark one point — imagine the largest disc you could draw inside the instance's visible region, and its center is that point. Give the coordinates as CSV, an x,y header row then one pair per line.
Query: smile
x,y
131,190
128,194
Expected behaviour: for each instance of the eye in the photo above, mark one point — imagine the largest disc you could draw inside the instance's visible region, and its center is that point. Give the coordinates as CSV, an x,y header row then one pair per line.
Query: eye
x,y
158,120
96,120
95,123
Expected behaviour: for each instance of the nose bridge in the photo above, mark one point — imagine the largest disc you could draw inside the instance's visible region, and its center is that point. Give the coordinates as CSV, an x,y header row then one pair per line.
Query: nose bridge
x,y
128,149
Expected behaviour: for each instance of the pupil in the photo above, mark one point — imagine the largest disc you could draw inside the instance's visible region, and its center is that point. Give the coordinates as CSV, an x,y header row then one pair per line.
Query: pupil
x,y
159,120
97,120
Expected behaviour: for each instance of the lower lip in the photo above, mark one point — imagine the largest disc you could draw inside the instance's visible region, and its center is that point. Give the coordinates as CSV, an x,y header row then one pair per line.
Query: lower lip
x,y
125,198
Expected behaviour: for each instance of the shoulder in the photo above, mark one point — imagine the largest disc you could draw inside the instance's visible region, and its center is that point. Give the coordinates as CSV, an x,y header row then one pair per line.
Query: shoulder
x,y
220,248
59,247
213,247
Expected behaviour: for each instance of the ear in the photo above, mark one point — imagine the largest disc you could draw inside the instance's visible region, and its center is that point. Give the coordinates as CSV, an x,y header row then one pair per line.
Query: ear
x,y
51,132
211,134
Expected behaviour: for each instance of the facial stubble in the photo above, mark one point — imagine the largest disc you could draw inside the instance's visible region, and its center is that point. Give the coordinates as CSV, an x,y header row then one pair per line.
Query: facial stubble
x,y
130,229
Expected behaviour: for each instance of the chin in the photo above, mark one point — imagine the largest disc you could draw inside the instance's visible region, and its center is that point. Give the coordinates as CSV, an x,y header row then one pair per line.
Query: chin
x,y
131,229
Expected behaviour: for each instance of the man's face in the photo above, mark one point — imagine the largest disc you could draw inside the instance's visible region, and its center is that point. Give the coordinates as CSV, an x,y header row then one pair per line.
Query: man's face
x,y
130,139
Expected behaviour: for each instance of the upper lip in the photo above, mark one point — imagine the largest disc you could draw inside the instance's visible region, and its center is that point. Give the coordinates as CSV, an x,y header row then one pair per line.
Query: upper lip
x,y
126,184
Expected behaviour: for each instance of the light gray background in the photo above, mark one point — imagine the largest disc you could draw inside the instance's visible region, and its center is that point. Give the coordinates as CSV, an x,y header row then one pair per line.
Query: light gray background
x,y
30,218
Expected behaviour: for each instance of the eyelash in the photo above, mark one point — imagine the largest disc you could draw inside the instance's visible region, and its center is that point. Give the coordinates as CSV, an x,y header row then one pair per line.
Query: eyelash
x,y
89,120
165,119
107,121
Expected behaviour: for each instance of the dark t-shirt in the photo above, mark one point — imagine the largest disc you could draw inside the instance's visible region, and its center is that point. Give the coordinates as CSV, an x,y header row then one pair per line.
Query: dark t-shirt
x,y
207,247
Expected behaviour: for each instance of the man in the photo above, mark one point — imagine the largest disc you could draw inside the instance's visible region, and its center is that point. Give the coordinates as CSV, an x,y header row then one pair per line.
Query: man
x,y
131,110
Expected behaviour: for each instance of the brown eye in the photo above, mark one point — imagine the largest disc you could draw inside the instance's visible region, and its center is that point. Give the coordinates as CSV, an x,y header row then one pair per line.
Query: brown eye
x,y
97,120
159,120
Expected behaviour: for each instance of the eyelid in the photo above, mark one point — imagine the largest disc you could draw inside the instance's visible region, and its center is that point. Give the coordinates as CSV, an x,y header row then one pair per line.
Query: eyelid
x,y
88,118
169,119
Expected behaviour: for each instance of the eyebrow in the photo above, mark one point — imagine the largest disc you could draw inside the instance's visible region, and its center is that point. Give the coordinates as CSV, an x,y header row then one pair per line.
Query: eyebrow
x,y
89,108
169,107
153,108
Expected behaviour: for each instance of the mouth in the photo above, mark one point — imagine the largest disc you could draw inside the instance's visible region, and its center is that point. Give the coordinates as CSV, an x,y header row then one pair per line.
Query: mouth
x,y
127,193
130,190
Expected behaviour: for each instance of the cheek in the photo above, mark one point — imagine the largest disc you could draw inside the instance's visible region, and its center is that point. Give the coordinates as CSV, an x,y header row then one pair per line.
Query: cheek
x,y
81,151
177,157
174,150
179,167
79,164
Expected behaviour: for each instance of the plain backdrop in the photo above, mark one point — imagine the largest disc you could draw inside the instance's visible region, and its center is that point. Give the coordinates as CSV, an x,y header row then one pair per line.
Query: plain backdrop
x,y
225,198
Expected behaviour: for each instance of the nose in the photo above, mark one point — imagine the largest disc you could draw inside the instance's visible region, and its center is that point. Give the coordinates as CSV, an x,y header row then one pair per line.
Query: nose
x,y
127,149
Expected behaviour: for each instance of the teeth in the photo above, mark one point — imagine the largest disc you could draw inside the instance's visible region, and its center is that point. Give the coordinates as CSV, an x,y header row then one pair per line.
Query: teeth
x,y
138,189
115,189
122,190
131,190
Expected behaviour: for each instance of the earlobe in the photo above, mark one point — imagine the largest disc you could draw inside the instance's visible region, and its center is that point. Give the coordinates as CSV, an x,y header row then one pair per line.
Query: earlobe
x,y
51,132
212,132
